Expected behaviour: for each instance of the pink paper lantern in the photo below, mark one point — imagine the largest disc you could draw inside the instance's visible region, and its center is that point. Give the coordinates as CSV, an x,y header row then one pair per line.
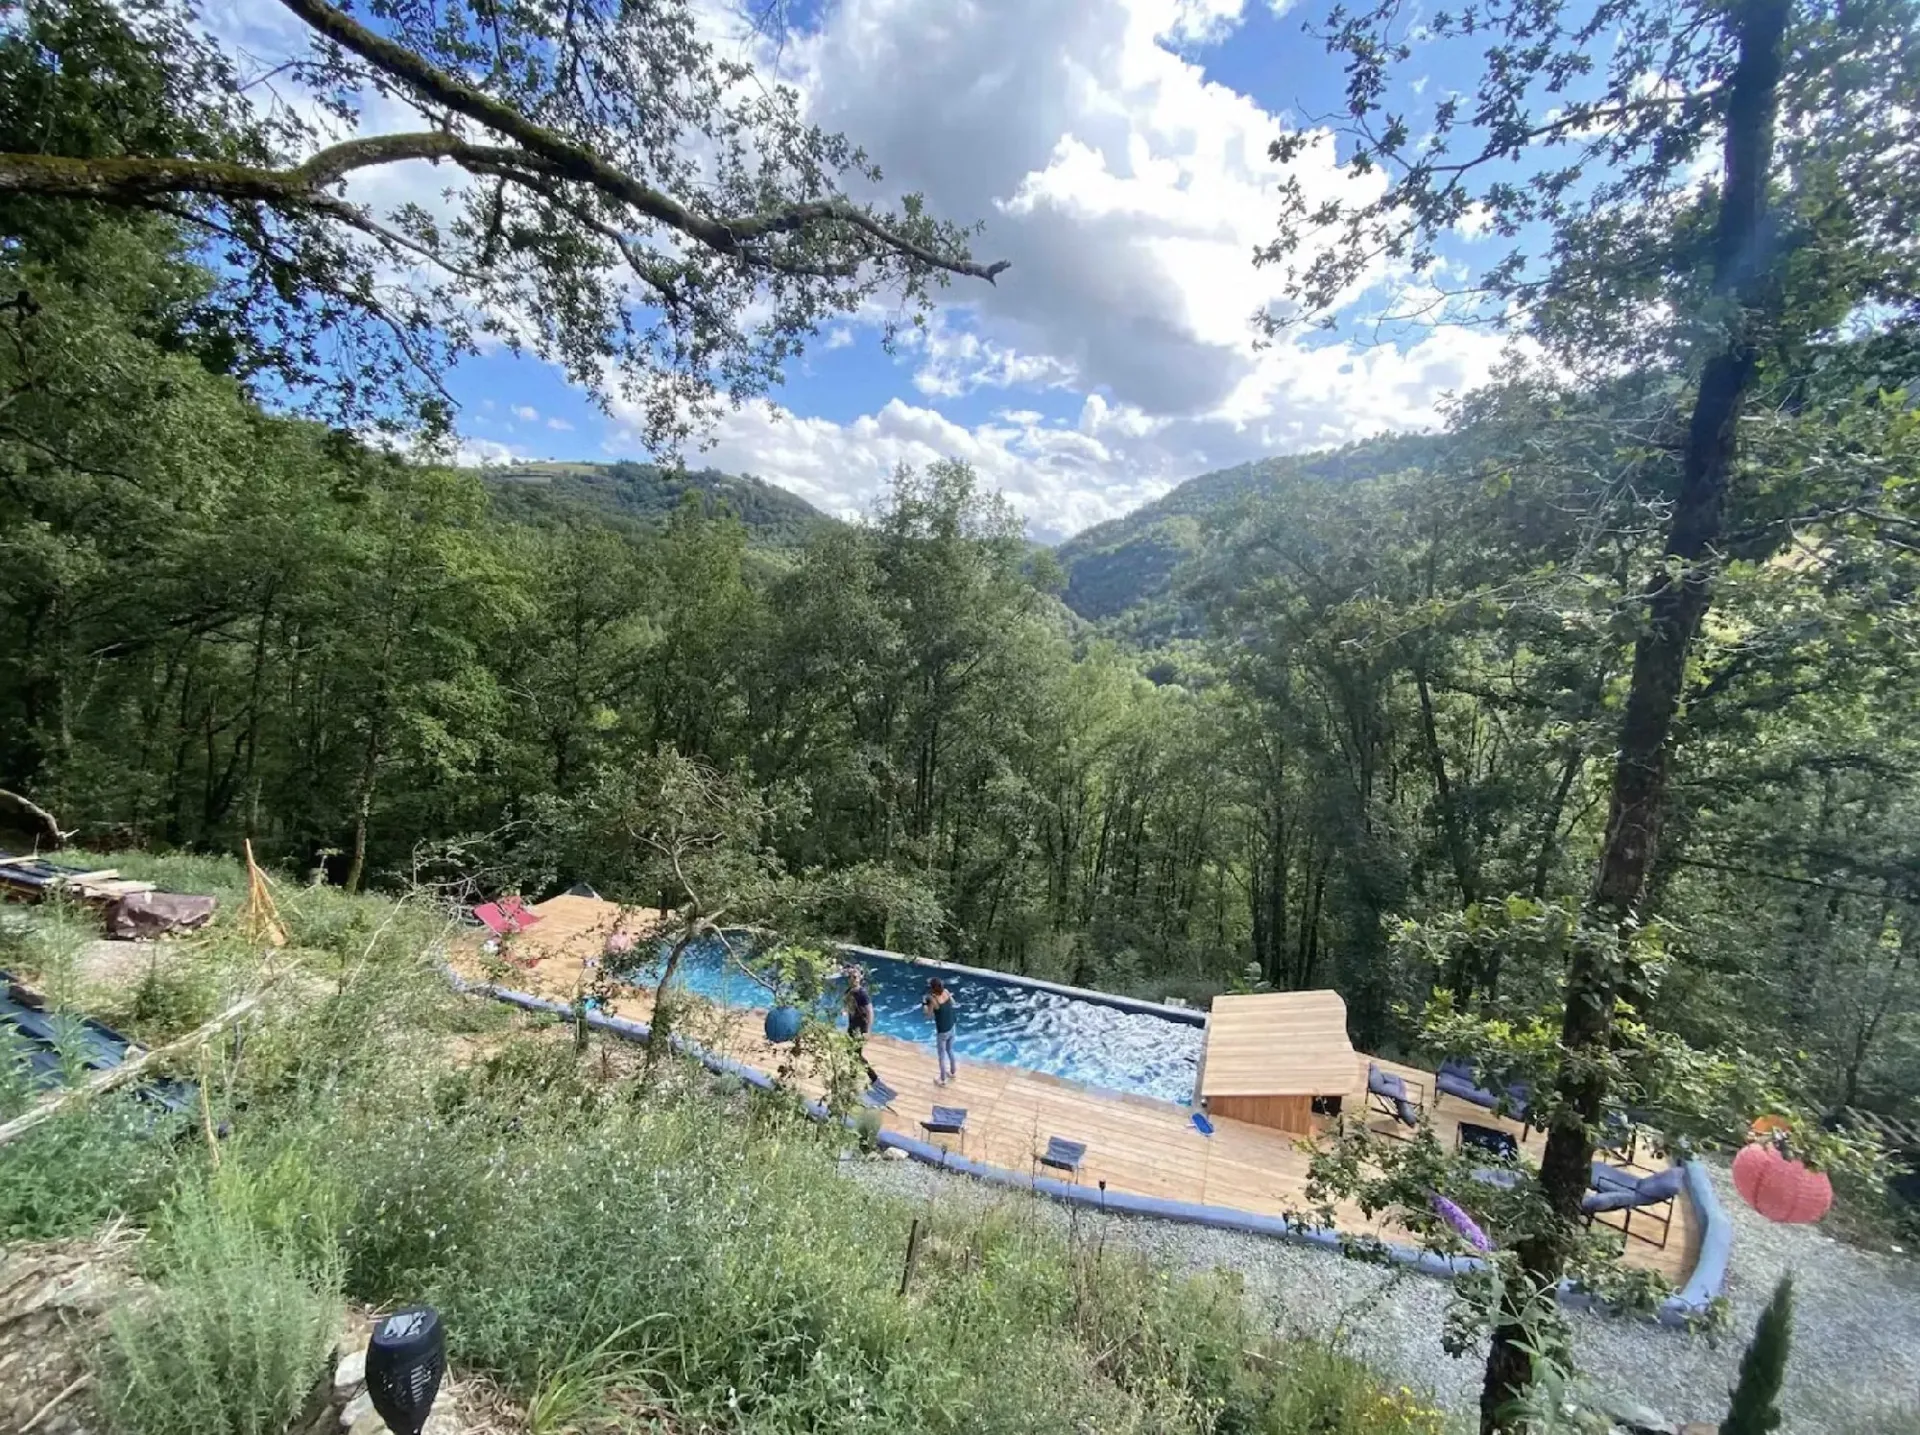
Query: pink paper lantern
x,y
1780,1188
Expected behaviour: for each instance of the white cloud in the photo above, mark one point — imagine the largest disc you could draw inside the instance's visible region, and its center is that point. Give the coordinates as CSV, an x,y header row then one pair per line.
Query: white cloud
x,y
1474,221
559,425
1129,193
958,361
1065,476
479,452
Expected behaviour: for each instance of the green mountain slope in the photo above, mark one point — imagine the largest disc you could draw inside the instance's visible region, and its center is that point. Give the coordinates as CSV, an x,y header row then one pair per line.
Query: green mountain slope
x,y
1131,561
646,494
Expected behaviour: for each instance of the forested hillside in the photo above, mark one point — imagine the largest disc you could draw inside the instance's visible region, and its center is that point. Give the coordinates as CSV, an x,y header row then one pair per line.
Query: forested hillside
x,y
650,495
1130,562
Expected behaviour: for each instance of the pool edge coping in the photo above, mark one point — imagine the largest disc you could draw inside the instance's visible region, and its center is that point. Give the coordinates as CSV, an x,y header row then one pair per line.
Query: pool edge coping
x,y
1691,1303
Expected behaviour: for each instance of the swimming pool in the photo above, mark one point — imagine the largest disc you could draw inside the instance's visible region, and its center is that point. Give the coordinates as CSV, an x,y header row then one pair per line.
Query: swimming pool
x,y
1001,1019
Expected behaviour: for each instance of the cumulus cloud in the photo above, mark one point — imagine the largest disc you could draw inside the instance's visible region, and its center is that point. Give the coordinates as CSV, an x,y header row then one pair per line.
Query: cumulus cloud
x,y
479,452
559,425
1130,193
1063,475
957,361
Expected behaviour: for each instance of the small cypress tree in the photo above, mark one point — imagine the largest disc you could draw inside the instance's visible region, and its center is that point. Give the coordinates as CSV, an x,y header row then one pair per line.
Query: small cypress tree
x,y
1763,1369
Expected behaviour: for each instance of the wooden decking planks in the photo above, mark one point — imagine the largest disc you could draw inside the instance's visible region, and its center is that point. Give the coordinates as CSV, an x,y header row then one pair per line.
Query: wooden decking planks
x,y
1134,1143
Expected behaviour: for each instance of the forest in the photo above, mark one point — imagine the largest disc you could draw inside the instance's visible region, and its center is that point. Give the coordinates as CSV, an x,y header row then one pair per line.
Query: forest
x,y
1595,709
1379,687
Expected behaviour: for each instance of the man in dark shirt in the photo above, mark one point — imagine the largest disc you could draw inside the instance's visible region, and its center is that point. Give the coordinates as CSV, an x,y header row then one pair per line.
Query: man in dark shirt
x,y
859,1006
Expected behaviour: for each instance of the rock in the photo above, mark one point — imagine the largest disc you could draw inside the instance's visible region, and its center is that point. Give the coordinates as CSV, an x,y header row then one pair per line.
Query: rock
x,y
1699,1427
358,1409
355,1331
350,1372
369,1424
1634,1418
894,1153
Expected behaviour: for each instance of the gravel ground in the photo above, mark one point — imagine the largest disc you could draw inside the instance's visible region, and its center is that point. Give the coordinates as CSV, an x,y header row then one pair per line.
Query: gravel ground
x,y
1855,1368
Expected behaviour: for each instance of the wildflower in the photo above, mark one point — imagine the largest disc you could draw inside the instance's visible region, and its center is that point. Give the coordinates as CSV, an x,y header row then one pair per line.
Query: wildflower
x,y
1463,1223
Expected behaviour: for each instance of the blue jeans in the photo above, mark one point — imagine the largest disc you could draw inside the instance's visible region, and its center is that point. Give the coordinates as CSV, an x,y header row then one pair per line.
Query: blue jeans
x,y
943,1053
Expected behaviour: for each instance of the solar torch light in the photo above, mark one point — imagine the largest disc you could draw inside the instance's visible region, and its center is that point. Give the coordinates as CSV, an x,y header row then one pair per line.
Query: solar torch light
x,y
405,1360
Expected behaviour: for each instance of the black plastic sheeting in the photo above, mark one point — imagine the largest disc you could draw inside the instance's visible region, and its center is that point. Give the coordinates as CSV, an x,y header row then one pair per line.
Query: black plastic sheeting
x,y
54,1046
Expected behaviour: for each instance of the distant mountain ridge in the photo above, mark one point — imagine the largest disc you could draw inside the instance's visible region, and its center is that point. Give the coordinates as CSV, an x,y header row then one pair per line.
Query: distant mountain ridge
x,y
1127,565
647,495
1131,561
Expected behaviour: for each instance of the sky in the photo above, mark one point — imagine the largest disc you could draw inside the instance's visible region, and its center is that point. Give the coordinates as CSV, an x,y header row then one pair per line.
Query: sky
x,y
1115,152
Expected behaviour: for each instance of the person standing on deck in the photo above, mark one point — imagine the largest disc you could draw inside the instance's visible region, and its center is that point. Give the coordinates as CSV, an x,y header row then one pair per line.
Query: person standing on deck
x,y
938,1004
859,1004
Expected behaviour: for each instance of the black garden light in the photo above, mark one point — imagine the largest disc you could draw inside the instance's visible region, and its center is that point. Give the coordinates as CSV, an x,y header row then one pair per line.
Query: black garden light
x,y
405,1360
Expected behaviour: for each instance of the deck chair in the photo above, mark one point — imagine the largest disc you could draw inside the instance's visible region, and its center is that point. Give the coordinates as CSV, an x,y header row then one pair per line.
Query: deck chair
x,y
1063,1155
948,1121
880,1095
1490,1139
1387,1095
1649,1197
1619,1136
506,916
1458,1079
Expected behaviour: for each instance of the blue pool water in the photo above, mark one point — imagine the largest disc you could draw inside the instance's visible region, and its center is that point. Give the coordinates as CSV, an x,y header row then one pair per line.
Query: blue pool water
x,y
999,1020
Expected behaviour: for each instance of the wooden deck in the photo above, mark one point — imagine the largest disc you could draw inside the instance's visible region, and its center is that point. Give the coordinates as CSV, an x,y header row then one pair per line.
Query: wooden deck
x,y
1134,1143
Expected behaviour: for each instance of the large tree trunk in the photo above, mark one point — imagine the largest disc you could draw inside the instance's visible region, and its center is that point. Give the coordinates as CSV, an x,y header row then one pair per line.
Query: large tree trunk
x,y
1677,599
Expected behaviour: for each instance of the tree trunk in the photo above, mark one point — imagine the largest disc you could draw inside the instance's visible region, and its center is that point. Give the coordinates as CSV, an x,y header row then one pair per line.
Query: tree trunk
x,y
363,811
1452,820
1677,599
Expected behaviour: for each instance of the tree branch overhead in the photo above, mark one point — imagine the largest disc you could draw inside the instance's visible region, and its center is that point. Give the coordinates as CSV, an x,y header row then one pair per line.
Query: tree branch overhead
x,y
586,139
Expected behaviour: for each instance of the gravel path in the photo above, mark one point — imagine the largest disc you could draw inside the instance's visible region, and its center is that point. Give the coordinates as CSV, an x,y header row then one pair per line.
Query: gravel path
x,y
1855,1368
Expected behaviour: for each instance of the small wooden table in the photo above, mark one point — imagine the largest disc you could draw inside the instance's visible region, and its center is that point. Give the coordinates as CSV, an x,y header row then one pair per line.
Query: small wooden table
x,y
1267,1056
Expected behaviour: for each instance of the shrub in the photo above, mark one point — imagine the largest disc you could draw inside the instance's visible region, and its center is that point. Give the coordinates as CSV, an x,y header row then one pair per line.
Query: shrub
x,y
615,1256
113,1156
590,1248
175,994
234,1334
1763,1368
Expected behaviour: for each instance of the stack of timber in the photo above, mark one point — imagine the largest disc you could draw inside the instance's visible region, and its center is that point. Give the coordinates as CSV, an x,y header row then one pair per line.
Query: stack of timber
x,y
32,878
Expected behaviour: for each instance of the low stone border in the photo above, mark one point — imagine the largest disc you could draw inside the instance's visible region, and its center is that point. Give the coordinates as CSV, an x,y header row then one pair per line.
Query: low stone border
x,y
1687,1305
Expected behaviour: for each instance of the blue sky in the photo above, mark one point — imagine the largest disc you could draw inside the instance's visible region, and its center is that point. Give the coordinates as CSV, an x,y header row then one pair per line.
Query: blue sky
x,y
1116,152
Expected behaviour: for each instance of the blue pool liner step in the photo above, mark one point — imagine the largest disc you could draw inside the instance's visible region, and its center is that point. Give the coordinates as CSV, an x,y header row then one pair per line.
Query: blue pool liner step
x,y
1691,1303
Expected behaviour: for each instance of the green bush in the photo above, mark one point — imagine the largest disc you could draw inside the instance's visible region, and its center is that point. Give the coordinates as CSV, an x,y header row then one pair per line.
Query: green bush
x,y
113,1157
176,993
234,1333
